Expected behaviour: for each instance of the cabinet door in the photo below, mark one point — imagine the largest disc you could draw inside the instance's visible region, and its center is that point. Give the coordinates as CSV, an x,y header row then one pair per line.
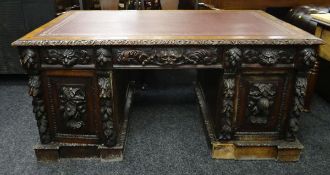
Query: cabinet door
x,y
72,105
262,101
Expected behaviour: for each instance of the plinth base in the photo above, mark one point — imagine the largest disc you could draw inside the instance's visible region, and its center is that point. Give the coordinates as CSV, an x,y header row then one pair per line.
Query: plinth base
x,y
56,151
250,150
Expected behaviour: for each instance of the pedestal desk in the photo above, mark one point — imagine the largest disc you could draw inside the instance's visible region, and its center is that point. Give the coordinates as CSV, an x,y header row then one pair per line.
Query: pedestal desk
x,y
252,73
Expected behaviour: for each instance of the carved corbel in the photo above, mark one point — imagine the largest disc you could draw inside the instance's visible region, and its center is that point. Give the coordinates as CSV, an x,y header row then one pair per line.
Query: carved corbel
x,y
105,89
29,59
232,58
103,57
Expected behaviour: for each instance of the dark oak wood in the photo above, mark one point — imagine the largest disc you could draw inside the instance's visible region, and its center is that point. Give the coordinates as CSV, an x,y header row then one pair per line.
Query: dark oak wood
x,y
251,82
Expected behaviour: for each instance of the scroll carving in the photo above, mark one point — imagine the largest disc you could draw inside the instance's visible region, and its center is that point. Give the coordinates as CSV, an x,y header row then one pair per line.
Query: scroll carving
x,y
103,57
163,57
73,106
39,108
227,109
260,101
298,107
67,57
105,87
29,59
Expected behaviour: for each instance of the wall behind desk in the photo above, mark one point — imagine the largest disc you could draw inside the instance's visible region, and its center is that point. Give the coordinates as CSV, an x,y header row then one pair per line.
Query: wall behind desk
x,y
18,17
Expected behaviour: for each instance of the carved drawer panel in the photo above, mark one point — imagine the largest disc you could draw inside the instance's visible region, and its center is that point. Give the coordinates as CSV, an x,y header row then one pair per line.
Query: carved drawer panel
x,y
72,105
166,56
261,102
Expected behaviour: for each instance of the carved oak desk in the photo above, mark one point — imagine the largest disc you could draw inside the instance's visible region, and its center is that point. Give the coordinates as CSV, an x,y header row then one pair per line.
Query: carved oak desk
x,y
252,73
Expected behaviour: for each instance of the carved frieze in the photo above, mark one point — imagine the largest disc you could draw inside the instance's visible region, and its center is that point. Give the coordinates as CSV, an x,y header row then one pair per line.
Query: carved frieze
x,y
166,56
67,57
105,94
73,106
267,57
227,109
298,107
260,101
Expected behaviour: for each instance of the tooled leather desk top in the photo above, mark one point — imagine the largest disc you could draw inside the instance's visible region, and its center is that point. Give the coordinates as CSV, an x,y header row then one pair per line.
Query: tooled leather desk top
x,y
205,27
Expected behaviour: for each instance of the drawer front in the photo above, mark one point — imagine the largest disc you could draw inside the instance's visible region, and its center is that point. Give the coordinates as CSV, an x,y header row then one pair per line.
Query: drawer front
x,y
72,105
262,102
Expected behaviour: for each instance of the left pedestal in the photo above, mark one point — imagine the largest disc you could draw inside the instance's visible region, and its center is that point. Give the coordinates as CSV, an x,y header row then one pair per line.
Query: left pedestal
x,y
74,105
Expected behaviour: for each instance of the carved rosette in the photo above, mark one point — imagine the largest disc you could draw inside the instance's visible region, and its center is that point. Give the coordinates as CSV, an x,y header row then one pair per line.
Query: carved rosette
x,y
260,101
73,106
268,57
167,57
298,107
103,57
39,109
67,57
105,88
227,109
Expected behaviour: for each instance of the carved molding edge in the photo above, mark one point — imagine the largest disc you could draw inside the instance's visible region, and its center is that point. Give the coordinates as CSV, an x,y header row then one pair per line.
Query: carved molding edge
x,y
260,101
166,56
165,42
105,88
39,108
298,106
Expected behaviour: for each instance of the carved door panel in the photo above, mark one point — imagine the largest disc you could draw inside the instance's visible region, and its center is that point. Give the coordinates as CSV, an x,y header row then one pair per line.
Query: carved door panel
x,y
72,105
262,100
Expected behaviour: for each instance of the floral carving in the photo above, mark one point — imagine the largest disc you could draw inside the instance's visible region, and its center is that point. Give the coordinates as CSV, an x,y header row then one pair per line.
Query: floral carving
x,y
227,109
103,57
260,101
105,87
34,85
73,106
67,57
165,57
39,109
298,107
29,59
268,57
40,114
105,90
